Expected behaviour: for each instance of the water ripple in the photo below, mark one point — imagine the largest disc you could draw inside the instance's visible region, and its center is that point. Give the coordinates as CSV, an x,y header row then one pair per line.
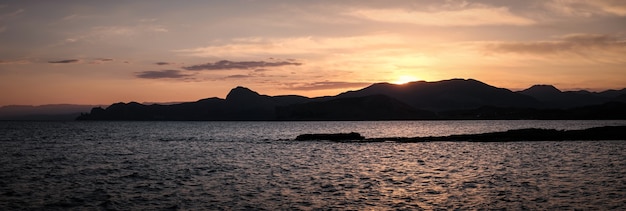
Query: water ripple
x,y
94,167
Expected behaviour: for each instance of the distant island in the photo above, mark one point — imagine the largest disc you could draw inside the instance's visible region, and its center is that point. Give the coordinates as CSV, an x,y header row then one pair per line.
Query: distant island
x,y
454,99
52,112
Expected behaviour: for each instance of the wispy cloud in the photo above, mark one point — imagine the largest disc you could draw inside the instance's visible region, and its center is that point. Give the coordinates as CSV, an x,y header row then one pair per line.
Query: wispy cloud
x,y
69,17
571,49
11,14
238,76
99,33
474,15
19,61
323,85
587,8
67,61
579,43
7,16
100,61
228,65
296,46
161,74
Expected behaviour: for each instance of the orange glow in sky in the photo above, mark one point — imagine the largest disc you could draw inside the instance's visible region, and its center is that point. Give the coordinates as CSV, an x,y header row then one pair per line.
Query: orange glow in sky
x,y
403,79
102,52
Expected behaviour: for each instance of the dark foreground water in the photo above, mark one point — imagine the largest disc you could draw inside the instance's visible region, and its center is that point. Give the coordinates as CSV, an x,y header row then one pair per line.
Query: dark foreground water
x,y
246,165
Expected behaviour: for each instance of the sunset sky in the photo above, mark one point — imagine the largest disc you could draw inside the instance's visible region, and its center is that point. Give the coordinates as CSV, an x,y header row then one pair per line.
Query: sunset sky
x,y
102,52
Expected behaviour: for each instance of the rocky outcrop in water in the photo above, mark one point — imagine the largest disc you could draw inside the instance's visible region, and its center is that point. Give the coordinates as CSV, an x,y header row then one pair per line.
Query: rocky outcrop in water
x,y
330,137
530,134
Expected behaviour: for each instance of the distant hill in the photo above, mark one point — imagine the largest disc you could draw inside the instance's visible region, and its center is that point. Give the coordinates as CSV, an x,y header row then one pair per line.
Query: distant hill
x,y
43,112
551,97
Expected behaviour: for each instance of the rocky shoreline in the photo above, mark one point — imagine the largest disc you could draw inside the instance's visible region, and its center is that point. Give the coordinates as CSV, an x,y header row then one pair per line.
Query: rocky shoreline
x,y
529,134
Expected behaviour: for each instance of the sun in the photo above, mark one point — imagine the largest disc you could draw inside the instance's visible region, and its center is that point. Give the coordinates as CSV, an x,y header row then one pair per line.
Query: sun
x,y
403,79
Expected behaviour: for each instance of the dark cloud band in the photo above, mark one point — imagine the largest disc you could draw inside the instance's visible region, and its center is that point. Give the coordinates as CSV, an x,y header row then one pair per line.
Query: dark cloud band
x,y
160,74
67,61
228,65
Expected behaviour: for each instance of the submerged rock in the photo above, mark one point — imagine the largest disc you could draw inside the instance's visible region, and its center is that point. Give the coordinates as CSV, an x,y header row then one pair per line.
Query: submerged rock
x,y
330,136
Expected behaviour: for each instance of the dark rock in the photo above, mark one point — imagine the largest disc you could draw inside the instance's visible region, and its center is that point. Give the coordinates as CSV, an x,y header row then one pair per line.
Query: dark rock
x,y
330,137
529,134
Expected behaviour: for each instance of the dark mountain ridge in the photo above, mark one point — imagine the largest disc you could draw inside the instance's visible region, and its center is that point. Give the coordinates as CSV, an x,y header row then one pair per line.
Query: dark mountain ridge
x,y
372,107
448,99
551,97
447,94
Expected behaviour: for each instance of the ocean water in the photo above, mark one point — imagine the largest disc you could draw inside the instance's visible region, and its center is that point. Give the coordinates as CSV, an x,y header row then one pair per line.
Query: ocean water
x,y
257,166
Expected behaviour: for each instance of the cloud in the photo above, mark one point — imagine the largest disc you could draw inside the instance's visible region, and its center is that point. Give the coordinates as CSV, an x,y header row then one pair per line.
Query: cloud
x,y
67,61
162,63
69,17
238,76
228,65
322,85
161,74
11,15
100,33
8,16
587,8
578,43
254,47
574,49
100,61
473,15
20,61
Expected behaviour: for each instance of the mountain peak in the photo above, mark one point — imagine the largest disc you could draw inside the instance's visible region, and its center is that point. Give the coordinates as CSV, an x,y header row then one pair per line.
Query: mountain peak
x,y
543,92
241,92
542,88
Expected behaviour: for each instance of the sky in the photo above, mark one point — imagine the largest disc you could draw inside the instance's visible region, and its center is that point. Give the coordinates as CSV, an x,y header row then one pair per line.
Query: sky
x,y
102,52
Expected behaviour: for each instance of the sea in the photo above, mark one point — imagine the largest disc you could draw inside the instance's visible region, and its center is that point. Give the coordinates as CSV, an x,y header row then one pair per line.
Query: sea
x,y
259,166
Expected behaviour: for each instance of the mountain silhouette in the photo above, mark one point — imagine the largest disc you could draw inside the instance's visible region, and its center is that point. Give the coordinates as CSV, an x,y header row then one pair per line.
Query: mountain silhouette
x,y
43,112
447,95
448,99
240,104
373,107
245,104
551,97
